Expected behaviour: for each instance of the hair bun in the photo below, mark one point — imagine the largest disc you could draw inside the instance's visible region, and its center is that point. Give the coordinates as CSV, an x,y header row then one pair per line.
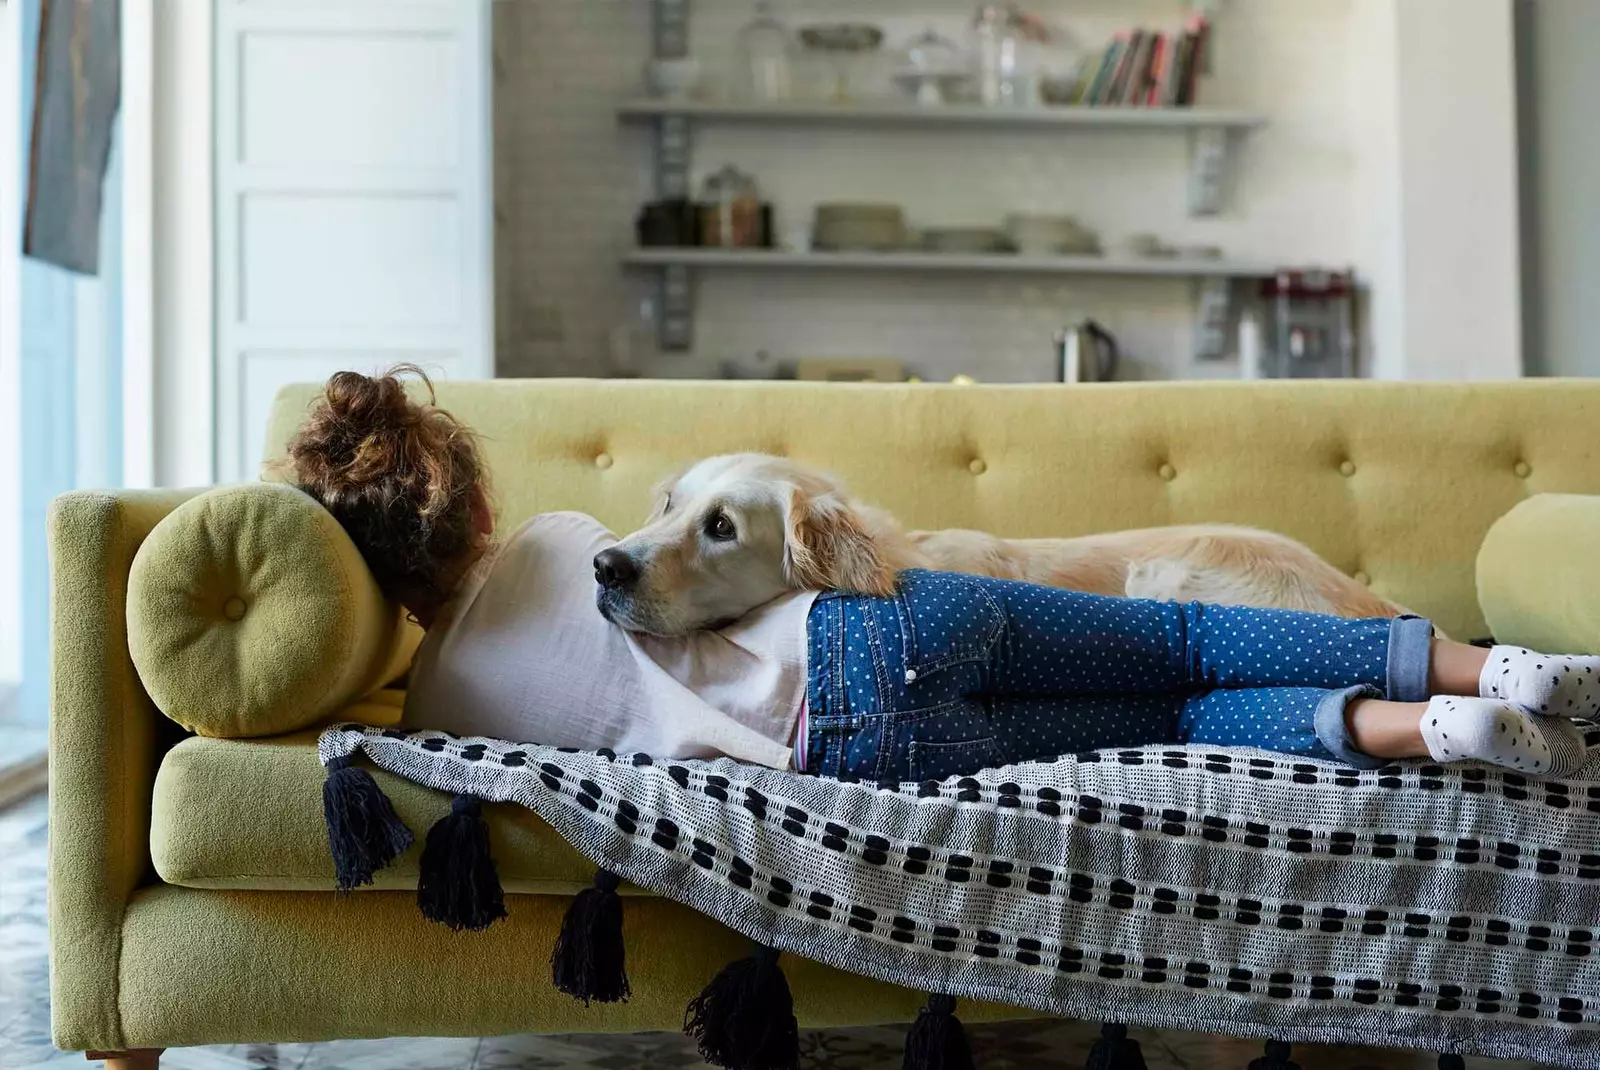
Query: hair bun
x,y
368,437
373,403
401,474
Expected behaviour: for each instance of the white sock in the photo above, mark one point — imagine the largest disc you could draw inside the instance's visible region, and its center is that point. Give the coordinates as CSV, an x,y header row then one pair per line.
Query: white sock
x,y
1559,685
1457,728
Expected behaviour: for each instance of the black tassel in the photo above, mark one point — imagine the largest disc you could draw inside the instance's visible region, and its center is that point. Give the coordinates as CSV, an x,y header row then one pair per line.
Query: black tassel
x,y
936,1040
588,961
744,1020
364,833
1114,1051
1452,1062
458,885
1276,1058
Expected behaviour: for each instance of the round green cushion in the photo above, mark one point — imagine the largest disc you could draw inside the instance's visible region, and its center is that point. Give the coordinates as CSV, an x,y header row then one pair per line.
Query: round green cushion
x,y
250,613
1539,575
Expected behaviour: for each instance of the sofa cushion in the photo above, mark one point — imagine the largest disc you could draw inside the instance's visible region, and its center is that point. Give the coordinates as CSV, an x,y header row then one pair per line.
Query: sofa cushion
x,y
250,612
1539,574
247,814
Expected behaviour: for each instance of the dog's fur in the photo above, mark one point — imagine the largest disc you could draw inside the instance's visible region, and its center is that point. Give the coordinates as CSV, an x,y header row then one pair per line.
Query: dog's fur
x,y
796,529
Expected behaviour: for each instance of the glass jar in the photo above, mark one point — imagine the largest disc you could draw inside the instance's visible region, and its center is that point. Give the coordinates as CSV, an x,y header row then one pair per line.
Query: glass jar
x,y
731,213
768,50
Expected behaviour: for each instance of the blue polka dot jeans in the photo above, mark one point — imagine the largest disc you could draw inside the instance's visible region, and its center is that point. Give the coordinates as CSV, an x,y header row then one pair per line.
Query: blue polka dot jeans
x,y
957,673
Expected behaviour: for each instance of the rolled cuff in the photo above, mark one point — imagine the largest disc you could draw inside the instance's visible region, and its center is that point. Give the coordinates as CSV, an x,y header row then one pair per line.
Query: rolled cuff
x,y
1332,731
1410,649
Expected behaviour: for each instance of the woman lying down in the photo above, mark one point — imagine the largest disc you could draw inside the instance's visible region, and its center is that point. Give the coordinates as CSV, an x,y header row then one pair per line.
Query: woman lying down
x,y
952,674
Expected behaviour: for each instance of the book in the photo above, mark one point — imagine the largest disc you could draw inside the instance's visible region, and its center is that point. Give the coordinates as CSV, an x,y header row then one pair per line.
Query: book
x,y
1159,58
1170,76
1199,33
1102,75
1138,70
1202,51
1185,66
1124,71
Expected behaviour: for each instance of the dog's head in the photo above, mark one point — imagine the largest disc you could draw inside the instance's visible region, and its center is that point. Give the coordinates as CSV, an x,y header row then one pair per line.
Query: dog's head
x,y
730,534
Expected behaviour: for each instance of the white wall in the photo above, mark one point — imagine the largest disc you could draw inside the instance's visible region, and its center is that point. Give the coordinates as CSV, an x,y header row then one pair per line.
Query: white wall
x,y
1390,146
1458,177
1561,84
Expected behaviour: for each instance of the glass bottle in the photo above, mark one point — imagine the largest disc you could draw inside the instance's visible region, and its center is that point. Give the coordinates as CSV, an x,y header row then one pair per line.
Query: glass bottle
x,y
768,55
994,48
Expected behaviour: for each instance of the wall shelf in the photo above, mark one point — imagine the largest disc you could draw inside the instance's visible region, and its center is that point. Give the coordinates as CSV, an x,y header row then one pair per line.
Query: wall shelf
x,y
1213,134
912,114
912,261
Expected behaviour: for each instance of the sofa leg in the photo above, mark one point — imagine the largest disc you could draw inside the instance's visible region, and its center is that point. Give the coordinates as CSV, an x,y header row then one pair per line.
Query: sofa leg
x,y
137,1059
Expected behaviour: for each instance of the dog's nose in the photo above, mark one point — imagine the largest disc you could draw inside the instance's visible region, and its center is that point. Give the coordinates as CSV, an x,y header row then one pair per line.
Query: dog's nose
x,y
615,569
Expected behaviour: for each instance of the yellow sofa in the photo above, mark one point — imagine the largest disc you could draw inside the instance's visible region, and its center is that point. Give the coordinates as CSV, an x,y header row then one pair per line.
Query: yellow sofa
x,y
190,887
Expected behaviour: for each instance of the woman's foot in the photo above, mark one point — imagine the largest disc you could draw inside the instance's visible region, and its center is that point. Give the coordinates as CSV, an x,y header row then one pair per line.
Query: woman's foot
x,y
1502,733
1559,685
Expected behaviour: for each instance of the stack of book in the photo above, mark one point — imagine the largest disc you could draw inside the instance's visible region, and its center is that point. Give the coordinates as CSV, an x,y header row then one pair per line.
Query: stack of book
x,y
1144,69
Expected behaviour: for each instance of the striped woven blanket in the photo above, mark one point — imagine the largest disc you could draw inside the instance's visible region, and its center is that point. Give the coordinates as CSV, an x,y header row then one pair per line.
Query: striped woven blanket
x,y
1446,908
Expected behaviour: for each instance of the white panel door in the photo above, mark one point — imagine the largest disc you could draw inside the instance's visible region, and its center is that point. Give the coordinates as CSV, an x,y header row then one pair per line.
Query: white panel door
x,y
353,199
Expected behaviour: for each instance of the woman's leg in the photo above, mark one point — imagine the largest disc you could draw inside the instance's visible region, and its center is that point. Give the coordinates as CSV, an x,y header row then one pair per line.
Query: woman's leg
x,y
1455,668
1355,726
1066,642
1030,729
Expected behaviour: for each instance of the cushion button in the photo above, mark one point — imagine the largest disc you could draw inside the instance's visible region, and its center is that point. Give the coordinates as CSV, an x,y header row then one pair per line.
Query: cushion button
x,y
234,608
1362,578
1167,472
602,460
1347,468
1523,469
977,467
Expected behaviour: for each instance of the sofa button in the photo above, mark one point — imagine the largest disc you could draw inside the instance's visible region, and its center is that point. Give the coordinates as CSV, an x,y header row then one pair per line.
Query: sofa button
x,y
1167,472
1347,467
1523,469
234,608
602,461
977,467
1362,578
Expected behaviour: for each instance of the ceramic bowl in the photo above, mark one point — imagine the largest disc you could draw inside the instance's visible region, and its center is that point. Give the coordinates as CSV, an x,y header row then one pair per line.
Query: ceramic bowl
x,y
965,240
842,37
1045,235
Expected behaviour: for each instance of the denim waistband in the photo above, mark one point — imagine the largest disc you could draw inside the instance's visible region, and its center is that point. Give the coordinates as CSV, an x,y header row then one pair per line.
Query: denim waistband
x,y
824,650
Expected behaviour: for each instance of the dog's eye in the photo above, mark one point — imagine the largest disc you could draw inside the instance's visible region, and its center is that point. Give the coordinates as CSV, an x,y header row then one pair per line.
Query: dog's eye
x,y
720,528
666,506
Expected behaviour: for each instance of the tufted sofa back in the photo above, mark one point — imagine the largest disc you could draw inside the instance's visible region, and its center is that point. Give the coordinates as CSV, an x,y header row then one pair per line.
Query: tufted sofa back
x,y
1395,483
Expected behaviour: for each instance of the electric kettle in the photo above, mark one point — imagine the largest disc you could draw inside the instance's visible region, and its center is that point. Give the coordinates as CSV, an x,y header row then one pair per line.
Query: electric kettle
x,y
1087,353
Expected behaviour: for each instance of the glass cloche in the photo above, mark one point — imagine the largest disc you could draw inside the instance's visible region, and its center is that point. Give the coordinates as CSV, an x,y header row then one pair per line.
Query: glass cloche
x,y
932,68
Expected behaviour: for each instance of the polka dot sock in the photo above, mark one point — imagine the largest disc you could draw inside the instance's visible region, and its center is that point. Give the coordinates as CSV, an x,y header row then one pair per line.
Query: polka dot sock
x,y
1502,733
1560,685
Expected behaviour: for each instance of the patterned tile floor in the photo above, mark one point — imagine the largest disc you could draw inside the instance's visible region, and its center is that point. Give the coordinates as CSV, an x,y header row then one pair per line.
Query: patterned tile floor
x,y
25,1021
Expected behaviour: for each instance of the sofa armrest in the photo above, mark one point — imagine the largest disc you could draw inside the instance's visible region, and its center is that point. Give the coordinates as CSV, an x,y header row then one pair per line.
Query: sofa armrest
x,y
104,735
1539,574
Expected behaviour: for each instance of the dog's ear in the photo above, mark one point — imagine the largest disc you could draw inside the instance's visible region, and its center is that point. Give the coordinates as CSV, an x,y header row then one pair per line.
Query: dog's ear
x,y
661,497
828,547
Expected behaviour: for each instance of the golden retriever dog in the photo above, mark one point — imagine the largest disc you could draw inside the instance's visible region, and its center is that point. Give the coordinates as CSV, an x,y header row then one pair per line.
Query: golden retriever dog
x,y
736,531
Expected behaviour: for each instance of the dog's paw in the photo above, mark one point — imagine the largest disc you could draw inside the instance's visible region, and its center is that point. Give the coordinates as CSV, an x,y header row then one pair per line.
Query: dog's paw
x,y
1162,581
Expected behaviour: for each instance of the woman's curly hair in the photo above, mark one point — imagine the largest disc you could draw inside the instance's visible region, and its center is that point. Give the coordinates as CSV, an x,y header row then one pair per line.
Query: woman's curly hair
x,y
402,476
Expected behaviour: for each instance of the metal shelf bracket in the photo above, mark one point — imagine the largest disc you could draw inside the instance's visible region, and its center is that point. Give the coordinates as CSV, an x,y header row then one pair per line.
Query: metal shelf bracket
x,y
675,323
1209,148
